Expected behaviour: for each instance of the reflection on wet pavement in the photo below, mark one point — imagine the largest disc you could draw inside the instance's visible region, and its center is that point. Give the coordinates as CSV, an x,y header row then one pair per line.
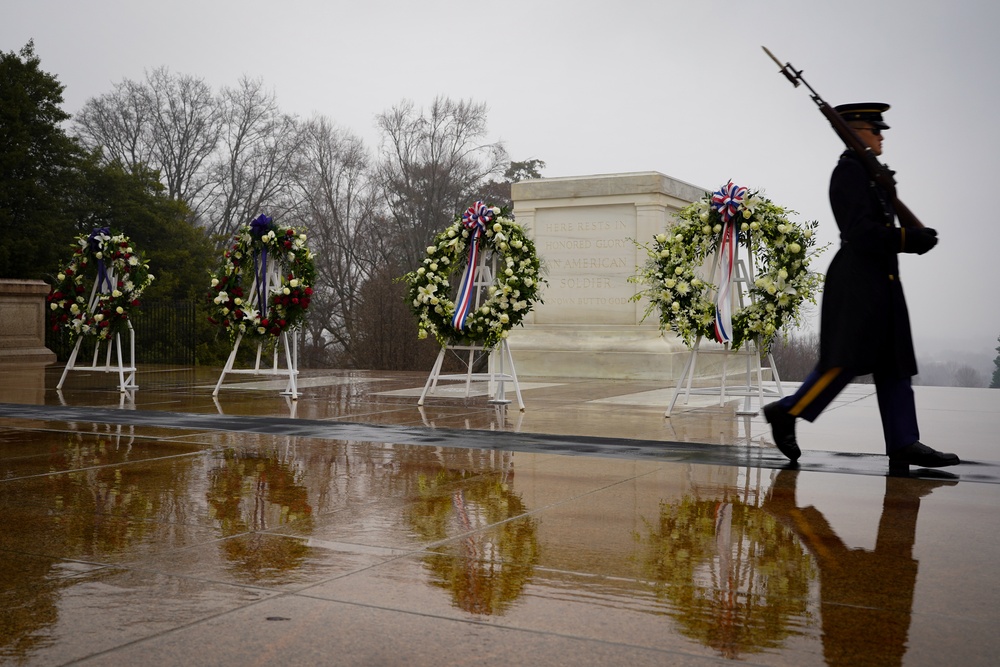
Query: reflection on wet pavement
x,y
168,533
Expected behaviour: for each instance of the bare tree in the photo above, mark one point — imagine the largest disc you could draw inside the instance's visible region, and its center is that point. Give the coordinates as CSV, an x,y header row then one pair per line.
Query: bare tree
x,y
338,206
259,154
967,376
119,123
431,164
185,132
169,123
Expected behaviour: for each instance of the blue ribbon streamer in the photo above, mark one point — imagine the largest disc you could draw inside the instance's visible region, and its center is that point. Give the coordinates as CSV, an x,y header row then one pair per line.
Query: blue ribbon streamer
x,y
260,226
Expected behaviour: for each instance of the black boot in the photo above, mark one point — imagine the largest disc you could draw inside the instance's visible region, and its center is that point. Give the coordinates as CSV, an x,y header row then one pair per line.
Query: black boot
x,y
920,455
783,430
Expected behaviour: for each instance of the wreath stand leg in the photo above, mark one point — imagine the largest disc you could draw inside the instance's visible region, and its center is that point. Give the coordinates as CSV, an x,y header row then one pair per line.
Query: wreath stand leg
x,y
126,373
744,274
495,376
499,359
288,343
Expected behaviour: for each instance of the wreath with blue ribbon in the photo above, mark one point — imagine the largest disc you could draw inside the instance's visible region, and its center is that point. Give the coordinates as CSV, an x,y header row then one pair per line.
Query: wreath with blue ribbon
x,y
675,286
481,231
106,261
255,249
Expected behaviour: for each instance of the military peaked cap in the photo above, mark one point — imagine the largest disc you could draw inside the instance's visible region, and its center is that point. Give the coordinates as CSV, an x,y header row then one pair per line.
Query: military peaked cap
x,y
867,111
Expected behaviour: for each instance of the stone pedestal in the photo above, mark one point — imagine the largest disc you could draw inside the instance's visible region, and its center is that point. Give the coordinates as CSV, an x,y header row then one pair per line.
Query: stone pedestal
x,y
585,230
22,322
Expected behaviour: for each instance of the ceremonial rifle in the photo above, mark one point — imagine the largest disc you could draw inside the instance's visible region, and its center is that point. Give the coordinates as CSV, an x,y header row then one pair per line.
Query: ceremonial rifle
x,y
878,172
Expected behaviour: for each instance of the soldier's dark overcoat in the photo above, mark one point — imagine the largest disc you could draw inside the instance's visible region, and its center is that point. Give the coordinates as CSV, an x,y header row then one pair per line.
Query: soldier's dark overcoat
x,y
865,326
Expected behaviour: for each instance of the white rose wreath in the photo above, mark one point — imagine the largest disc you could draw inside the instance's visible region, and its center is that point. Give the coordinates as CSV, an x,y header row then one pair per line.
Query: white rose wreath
x,y
781,252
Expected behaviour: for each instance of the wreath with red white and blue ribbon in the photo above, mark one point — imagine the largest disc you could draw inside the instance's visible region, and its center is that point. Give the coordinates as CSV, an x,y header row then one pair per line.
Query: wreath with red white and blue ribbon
x,y
477,236
694,305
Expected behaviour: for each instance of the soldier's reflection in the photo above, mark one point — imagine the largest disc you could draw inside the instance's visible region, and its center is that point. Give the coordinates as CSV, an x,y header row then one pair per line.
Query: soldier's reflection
x,y
866,596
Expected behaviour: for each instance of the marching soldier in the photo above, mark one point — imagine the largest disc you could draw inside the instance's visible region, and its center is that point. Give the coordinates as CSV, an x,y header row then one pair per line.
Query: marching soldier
x,y
864,324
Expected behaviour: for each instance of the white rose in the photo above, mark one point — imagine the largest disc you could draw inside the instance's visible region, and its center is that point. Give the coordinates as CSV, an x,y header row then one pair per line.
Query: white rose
x,y
717,229
661,238
293,282
286,291
794,248
431,249
119,310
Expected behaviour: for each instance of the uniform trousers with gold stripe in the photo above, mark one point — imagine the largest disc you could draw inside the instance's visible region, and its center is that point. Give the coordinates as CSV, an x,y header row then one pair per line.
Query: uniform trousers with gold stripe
x,y
895,403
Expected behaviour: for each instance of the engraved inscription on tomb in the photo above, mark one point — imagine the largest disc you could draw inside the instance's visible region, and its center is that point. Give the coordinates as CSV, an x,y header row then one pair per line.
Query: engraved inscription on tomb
x,y
589,257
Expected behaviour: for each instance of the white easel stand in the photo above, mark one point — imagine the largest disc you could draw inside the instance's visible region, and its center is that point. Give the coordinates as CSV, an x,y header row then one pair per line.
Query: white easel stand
x,y
496,376
754,385
291,368
126,374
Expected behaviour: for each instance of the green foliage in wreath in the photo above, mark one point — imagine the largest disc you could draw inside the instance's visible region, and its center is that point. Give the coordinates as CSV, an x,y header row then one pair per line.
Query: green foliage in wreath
x,y
232,305
509,299
782,251
109,261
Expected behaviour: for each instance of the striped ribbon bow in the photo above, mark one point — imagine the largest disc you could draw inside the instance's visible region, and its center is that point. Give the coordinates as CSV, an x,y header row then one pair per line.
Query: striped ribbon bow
x,y
727,200
475,220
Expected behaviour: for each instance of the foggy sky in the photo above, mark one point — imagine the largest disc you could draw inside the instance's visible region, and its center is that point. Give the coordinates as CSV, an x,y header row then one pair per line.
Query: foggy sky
x,y
594,87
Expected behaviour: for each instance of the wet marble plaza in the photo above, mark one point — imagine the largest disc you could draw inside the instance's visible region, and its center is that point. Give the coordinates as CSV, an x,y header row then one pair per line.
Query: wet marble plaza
x,y
166,526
